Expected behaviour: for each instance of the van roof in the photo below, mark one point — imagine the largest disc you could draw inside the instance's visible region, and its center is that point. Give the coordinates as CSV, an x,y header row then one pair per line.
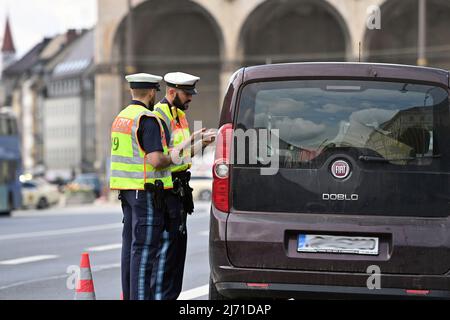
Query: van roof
x,y
350,70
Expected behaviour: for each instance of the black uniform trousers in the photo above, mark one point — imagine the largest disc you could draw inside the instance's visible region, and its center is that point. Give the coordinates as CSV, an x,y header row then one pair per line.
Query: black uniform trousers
x,y
153,249
142,229
169,266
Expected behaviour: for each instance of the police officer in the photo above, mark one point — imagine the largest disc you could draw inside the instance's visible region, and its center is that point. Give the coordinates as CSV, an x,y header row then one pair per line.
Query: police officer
x,y
180,89
140,163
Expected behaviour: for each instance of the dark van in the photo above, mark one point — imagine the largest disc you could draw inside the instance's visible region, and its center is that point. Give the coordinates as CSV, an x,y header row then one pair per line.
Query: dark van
x,y
332,179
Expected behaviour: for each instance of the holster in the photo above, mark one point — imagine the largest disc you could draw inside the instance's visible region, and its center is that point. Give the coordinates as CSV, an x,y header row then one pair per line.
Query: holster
x,y
157,192
184,191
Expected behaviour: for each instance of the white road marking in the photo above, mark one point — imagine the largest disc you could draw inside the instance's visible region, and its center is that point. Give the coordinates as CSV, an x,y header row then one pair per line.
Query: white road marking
x,y
60,232
106,267
71,211
185,295
105,247
61,276
194,293
23,283
27,260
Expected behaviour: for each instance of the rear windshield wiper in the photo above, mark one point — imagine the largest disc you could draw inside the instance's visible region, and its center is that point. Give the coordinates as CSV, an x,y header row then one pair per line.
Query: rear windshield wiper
x,y
381,159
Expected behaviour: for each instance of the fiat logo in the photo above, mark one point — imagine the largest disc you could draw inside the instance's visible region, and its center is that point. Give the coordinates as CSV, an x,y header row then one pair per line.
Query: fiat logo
x,y
340,169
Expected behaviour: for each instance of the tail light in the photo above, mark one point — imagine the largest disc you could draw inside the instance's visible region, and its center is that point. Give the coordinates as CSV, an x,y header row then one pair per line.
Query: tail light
x,y
258,285
221,169
418,292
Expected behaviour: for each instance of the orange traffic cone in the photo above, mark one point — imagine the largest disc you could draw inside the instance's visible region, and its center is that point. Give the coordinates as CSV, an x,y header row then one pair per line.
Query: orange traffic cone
x,y
85,285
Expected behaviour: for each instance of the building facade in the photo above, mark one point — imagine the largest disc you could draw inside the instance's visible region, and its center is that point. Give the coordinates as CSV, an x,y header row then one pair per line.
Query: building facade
x,y
7,57
51,91
24,87
213,38
20,84
8,50
69,111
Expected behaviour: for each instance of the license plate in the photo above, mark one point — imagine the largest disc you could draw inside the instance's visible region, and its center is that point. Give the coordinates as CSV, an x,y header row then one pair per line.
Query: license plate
x,y
338,244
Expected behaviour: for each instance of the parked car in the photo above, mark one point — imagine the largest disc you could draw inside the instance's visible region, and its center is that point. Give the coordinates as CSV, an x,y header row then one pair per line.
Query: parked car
x,y
357,185
90,180
39,194
61,183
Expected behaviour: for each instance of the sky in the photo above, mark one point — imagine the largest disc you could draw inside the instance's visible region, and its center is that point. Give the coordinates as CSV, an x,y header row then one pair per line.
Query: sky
x,y
32,20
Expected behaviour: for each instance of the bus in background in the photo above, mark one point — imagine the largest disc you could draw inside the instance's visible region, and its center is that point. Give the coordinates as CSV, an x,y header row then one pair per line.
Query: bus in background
x,y
10,164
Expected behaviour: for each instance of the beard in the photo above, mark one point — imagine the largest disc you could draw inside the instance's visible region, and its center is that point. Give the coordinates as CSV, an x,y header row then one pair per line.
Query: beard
x,y
152,101
182,106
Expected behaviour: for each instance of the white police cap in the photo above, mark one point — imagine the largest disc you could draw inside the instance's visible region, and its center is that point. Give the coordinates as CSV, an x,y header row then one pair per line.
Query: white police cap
x,y
143,81
182,81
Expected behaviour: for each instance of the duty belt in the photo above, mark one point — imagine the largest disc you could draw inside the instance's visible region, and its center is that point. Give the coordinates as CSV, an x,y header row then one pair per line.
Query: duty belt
x,y
182,175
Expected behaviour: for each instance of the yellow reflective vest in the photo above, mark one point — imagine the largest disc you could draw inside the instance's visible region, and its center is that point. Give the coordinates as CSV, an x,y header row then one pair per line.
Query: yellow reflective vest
x,y
178,125
129,170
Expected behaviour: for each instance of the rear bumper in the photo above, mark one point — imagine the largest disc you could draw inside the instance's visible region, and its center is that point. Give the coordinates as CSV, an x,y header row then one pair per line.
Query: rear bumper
x,y
231,281
296,291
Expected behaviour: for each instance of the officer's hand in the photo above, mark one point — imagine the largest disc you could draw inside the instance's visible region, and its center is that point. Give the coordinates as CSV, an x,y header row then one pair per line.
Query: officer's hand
x,y
197,135
209,137
212,131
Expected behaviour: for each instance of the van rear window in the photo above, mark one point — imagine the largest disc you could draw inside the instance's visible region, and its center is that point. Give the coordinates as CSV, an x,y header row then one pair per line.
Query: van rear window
x,y
397,123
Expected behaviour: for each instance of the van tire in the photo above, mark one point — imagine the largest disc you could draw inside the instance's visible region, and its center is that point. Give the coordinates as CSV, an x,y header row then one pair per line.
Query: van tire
x,y
213,293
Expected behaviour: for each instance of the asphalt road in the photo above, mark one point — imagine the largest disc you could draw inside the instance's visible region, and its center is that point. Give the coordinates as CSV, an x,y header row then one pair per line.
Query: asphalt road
x,y
38,247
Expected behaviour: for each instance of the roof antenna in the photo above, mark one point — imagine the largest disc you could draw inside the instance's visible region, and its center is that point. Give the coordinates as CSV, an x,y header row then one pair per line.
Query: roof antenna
x,y
359,52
